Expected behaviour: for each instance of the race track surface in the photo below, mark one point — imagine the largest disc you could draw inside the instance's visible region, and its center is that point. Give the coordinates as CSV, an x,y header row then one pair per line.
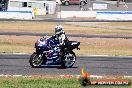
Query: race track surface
x,y
95,65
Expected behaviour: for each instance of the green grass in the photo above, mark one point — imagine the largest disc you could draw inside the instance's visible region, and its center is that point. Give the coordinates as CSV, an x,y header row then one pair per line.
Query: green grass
x,y
46,83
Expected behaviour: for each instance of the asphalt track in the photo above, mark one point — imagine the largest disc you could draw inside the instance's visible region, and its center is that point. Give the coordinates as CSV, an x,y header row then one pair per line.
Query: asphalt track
x,y
70,35
14,64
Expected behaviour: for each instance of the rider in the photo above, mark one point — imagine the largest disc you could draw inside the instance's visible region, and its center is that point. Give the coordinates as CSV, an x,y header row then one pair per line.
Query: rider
x,y
61,38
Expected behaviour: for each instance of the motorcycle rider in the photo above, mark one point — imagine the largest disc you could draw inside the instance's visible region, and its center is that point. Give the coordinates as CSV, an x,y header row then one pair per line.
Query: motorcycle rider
x,y
61,38
59,35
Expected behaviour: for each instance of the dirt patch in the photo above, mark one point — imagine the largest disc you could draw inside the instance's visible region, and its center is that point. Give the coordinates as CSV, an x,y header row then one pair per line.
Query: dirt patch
x,y
97,46
88,46
105,25
28,40
84,28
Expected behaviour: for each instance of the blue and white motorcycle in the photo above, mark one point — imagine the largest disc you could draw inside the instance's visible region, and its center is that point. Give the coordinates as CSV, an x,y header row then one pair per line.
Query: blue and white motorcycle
x,y
47,55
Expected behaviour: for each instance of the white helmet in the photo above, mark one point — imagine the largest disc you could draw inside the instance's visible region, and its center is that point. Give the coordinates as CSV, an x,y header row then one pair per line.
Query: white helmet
x,y
58,29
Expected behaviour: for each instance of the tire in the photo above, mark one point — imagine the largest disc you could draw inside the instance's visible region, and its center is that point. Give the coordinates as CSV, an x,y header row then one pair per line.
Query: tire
x,y
69,60
82,3
36,60
67,3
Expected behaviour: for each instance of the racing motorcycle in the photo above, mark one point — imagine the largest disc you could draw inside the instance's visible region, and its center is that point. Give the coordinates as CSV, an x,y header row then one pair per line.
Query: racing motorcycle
x,y
46,54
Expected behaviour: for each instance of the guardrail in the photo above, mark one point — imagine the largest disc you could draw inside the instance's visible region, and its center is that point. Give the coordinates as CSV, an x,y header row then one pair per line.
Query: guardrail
x,y
101,15
114,15
16,15
68,14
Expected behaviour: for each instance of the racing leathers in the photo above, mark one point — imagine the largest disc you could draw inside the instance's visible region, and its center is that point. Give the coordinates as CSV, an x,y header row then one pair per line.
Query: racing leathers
x,y
61,38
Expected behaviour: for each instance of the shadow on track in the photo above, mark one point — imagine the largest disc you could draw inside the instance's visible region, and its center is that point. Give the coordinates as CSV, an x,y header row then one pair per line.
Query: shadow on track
x,y
58,67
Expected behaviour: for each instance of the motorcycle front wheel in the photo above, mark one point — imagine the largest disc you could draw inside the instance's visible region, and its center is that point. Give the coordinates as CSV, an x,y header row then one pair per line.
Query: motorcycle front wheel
x,y
36,60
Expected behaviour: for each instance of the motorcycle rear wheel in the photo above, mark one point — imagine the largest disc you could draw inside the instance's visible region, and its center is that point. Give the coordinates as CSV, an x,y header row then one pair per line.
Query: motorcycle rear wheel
x,y
36,60
69,60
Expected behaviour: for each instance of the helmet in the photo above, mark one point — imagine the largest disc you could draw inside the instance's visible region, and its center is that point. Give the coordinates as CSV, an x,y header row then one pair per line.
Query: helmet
x,y
58,29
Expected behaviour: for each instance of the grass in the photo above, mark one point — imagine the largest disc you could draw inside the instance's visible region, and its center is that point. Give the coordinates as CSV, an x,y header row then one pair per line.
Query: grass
x,y
88,46
129,24
46,83
38,83
48,27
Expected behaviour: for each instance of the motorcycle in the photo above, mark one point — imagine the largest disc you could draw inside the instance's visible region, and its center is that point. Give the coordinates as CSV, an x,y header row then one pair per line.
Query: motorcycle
x,y
47,54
